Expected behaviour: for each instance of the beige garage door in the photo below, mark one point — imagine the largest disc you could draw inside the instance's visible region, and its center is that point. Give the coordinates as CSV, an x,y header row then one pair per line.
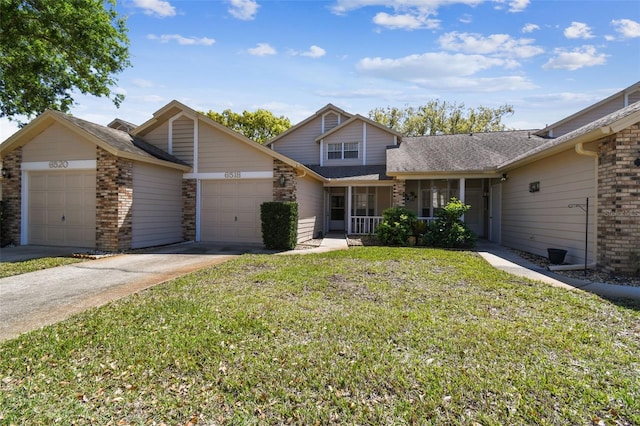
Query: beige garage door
x,y
62,208
230,210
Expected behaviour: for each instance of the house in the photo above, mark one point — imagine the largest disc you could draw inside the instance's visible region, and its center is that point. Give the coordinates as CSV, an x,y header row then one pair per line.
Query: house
x,y
573,185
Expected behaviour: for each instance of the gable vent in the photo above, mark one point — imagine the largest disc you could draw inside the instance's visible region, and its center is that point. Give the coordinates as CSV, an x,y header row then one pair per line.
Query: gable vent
x,y
329,121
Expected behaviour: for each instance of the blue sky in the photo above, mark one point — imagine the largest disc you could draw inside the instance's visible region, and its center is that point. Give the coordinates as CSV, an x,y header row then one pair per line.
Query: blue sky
x,y
548,59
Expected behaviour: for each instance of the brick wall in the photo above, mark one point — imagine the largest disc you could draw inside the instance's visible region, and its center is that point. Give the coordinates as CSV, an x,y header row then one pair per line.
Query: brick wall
x,y
12,198
619,202
189,193
114,199
399,190
288,191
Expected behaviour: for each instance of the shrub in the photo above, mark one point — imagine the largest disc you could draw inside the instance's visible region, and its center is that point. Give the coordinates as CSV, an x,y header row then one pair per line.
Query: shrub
x,y
279,224
396,226
448,231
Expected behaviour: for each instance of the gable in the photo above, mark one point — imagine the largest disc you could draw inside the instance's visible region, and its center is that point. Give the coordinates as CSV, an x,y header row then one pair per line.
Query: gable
x,y
57,142
220,152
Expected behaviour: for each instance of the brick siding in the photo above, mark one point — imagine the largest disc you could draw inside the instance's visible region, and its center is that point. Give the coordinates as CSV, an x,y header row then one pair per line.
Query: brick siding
x,y
399,190
288,191
189,193
114,200
619,203
12,198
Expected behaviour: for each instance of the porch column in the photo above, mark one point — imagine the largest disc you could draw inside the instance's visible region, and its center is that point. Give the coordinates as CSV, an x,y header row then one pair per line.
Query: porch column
x,y
462,185
398,193
349,210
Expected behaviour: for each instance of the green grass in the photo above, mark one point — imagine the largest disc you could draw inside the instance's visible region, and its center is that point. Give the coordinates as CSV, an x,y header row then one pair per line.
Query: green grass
x,y
366,336
8,269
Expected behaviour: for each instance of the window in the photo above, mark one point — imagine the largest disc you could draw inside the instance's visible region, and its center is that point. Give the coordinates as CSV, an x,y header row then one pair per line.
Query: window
x,y
343,150
364,202
436,195
335,151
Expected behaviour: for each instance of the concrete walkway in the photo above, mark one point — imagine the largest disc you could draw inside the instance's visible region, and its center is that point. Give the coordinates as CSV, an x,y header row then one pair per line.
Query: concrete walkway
x,y
506,260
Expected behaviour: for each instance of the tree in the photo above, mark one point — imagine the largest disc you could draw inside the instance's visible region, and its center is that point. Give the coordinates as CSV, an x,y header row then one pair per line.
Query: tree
x,y
51,49
260,125
438,117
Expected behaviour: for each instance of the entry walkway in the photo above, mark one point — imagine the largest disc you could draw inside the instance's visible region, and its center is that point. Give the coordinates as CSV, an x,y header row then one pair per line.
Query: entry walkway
x,y
504,259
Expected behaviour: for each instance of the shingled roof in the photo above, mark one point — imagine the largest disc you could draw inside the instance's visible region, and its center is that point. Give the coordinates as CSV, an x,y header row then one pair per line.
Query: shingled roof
x,y
470,152
121,141
604,122
351,173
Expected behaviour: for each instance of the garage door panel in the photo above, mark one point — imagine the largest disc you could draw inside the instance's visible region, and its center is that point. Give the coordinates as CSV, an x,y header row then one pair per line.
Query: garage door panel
x,y
230,210
61,208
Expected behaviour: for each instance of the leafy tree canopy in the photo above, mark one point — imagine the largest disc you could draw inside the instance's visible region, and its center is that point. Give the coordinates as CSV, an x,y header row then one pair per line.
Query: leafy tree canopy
x,y
259,126
441,117
50,49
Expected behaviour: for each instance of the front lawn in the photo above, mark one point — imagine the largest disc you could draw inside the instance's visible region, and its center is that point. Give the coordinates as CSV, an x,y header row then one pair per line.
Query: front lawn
x,y
368,336
8,269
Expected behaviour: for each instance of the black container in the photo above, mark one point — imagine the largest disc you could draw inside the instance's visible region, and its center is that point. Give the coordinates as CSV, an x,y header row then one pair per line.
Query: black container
x,y
556,256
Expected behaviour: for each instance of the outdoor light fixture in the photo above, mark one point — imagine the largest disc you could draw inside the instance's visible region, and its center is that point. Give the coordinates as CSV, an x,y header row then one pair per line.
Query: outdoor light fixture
x,y
504,177
282,180
5,173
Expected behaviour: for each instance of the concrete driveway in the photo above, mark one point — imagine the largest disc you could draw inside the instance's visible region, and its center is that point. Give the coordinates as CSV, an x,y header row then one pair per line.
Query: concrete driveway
x,y
36,299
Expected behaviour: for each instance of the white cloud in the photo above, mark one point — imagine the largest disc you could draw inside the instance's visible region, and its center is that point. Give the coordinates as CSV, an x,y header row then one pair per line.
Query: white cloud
x,y
140,82
578,30
626,27
314,52
529,28
585,56
262,49
149,98
186,41
518,5
466,19
245,10
158,8
502,45
8,127
405,21
429,66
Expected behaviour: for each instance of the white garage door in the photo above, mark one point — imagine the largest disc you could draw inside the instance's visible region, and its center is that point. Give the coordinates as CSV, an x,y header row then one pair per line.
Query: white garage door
x,y
62,208
230,210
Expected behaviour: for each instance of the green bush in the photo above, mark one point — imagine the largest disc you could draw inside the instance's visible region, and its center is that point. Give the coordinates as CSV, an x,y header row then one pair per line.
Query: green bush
x,y
279,225
448,231
396,226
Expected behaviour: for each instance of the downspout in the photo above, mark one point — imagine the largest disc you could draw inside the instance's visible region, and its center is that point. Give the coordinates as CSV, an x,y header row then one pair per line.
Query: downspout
x,y
580,150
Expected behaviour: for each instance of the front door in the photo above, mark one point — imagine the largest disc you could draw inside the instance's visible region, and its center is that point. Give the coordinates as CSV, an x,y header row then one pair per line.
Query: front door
x,y
336,222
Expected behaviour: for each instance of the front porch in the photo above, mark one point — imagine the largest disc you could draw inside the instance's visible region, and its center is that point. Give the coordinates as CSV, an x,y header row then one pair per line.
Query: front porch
x,y
357,210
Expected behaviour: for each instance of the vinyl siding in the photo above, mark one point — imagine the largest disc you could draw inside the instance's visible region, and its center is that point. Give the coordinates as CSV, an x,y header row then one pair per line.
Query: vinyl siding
x,y
183,139
377,142
220,152
589,116
350,134
159,137
533,222
58,143
310,196
300,144
157,206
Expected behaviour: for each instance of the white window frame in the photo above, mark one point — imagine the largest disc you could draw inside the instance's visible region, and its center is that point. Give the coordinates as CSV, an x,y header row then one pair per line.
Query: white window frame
x,y
341,149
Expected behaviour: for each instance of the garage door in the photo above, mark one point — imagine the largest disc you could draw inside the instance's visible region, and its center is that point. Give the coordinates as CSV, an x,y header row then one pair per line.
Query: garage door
x,y
230,210
62,208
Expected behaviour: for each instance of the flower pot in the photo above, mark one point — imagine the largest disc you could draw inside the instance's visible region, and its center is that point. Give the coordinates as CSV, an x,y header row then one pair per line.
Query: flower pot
x,y
556,256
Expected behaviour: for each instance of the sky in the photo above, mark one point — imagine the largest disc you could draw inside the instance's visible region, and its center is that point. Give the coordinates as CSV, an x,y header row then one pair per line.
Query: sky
x,y
548,59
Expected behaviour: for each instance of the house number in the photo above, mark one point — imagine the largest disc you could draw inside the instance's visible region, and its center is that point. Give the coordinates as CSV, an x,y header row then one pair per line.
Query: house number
x,y
58,164
232,175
